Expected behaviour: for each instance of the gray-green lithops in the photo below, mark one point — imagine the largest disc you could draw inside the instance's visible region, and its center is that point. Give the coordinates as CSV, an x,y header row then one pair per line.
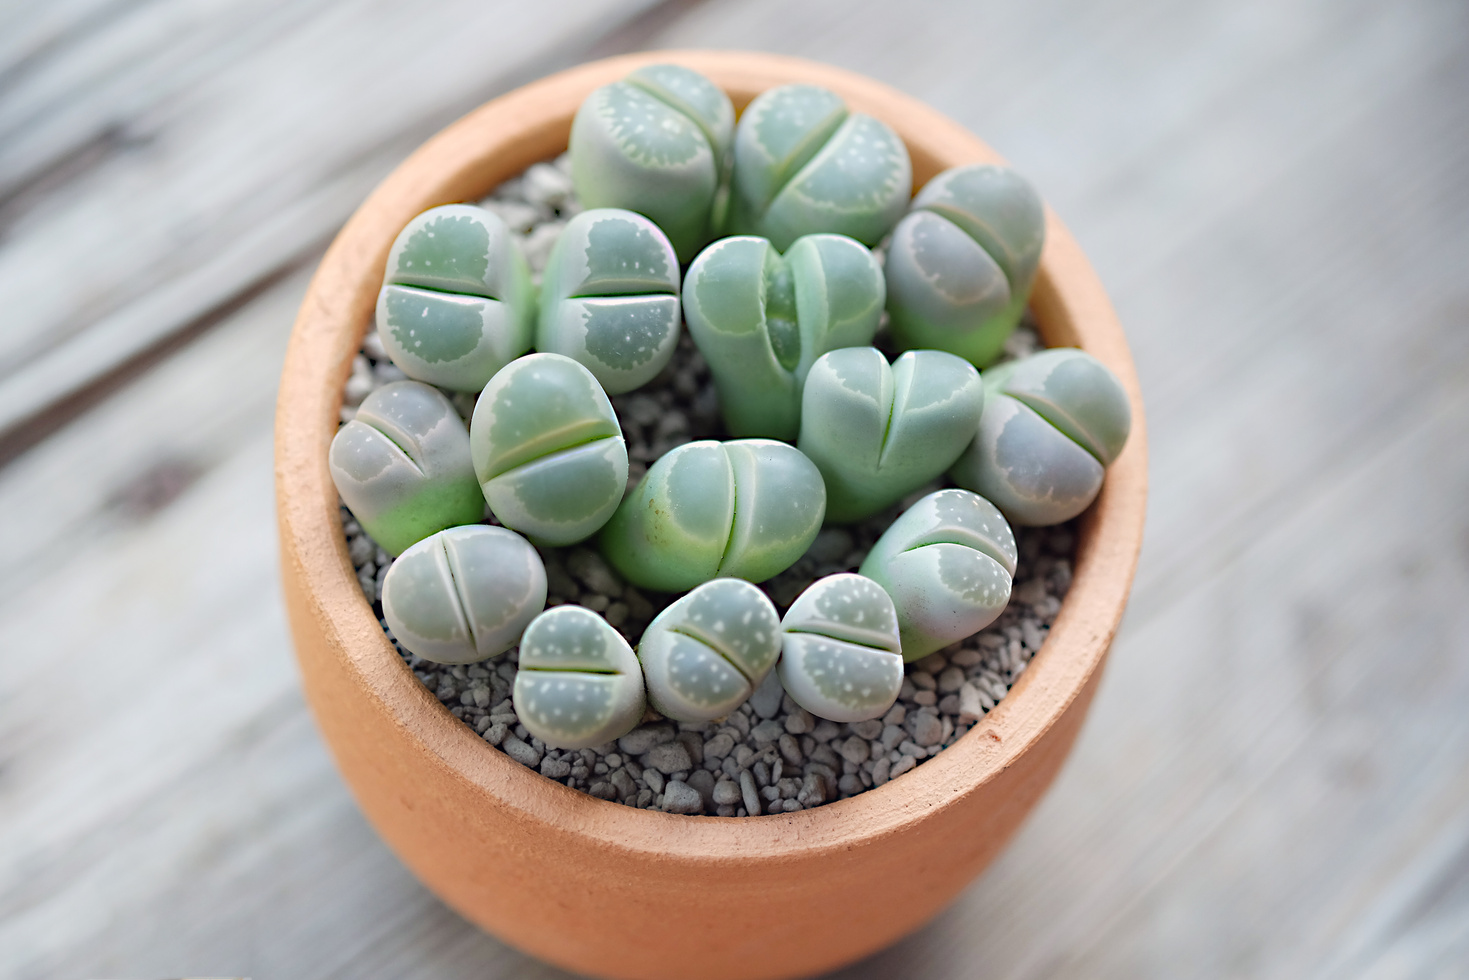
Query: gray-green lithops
x,y
402,465
457,302
948,563
742,509
656,142
609,298
1052,422
840,656
464,594
706,653
804,163
548,450
579,682
761,319
962,261
878,432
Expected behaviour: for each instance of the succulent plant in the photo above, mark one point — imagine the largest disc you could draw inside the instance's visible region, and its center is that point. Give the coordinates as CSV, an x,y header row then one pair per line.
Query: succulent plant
x,y
762,319
962,261
548,450
464,594
579,682
840,654
878,432
742,509
948,563
609,298
457,302
706,653
656,142
402,466
1052,422
803,163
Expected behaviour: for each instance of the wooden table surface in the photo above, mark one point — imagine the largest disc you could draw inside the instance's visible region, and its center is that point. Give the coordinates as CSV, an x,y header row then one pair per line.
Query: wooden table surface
x,y
1274,781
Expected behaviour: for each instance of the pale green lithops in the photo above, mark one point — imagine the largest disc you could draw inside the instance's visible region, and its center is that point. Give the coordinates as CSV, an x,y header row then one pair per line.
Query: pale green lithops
x,y
547,449
609,298
761,319
656,142
464,594
804,163
704,655
962,261
579,682
402,466
742,509
840,656
1052,422
457,302
947,562
878,432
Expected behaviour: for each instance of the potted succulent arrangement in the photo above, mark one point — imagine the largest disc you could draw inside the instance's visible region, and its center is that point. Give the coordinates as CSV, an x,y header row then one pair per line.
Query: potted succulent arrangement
x,y
742,196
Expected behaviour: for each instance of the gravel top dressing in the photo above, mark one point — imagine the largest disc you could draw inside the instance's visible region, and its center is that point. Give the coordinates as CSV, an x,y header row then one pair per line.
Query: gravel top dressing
x,y
769,755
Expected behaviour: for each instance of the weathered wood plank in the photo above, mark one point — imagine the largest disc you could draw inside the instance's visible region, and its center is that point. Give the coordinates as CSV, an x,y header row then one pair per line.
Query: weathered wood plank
x,y
221,148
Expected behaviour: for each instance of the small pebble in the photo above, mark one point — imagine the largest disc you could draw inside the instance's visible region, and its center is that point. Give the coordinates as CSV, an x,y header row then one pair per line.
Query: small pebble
x,y
766,699
855,750
768,731
668,758
640,740
747,792
521,752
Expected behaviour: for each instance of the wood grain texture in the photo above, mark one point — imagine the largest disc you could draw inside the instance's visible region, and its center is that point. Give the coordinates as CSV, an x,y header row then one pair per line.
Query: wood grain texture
x,y
1275,776
130,123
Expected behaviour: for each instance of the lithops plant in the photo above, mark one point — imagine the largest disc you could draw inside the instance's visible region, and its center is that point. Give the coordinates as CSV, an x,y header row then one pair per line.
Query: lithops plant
x,y
962,261
609,298
402,465
705,654
656,142
579,682
464,594
841,657
804,163
761,319
878,432
948,563
742,509
457,302
547,449
1052,423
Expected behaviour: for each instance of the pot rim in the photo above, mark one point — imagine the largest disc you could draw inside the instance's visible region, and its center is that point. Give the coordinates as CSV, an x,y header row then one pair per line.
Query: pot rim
x,y
464,162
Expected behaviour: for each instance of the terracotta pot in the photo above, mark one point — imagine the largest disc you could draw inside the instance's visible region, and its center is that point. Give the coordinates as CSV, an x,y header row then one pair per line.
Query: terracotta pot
x,y
605,889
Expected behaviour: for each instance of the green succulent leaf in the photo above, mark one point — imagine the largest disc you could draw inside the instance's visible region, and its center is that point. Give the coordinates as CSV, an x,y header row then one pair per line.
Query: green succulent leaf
x,y
579,682
464,594
878,432
403,466
547,449
745,509
609,298
948,563
656,143
841,656
803,164
457,302
1053,421
762,319
705,654
962,261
